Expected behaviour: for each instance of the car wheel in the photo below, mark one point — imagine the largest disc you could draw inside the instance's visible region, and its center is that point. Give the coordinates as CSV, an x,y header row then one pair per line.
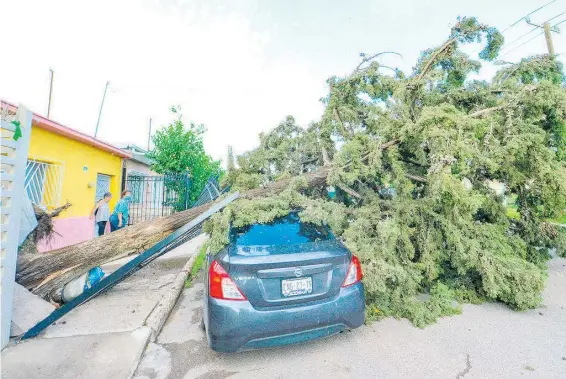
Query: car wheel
x,y
202,326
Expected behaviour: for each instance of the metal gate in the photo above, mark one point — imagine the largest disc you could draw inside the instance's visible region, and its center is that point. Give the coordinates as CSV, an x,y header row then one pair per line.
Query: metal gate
x,y
156,196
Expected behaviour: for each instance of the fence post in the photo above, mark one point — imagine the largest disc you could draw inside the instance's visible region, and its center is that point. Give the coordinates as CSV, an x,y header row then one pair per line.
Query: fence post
x,y
12,177
187,190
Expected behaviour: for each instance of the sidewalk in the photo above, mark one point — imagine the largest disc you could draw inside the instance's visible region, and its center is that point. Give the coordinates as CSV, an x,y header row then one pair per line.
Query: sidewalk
x,y
105,337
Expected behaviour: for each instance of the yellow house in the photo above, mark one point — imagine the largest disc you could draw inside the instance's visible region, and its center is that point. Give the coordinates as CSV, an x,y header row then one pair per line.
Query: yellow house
x,y
65,165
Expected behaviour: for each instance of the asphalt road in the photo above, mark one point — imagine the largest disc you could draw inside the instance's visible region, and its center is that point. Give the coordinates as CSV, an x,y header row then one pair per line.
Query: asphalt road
x,y
486,341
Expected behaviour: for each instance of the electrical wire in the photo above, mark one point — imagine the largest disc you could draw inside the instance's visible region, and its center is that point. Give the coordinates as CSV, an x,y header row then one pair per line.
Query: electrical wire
x,y
527,15
524,43
518,21
529,32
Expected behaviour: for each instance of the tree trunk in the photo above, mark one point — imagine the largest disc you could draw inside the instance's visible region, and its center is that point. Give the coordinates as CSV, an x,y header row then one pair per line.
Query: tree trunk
x,y
46,272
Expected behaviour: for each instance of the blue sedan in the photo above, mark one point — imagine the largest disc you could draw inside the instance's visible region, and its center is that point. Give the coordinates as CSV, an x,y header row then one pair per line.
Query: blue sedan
x,y
280,283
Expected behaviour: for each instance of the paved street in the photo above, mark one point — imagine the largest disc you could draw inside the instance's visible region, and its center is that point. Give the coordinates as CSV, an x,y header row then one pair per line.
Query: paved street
x,y
487,341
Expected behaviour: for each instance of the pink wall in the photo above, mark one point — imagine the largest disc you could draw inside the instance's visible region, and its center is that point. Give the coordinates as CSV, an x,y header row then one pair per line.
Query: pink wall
x,y
69,231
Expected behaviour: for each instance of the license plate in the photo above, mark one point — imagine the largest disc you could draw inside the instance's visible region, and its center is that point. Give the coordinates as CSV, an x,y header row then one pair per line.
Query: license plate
x,y
295,287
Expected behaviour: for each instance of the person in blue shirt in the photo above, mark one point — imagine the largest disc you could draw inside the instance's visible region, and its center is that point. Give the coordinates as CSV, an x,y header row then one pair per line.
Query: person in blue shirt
x,y
119,218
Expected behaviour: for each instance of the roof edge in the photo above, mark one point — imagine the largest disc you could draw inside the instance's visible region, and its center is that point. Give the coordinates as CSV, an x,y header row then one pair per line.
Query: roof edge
x,y
56,128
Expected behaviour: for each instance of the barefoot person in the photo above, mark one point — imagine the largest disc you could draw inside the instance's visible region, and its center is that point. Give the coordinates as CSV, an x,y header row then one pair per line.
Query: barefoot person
x,y
101,213
119,217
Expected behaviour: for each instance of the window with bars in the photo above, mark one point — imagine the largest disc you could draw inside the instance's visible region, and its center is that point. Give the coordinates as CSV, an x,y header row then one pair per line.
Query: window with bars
x,y
43,182
136,186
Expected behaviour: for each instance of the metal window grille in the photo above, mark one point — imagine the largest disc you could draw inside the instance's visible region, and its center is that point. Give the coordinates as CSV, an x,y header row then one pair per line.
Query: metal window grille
x,y
102,186
44,182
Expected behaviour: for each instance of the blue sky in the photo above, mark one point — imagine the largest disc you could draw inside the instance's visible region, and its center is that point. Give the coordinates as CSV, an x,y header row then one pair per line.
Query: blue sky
x,y
239,67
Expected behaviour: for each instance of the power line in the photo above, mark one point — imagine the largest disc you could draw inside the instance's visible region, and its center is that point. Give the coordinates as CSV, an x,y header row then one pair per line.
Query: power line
x,y
520,38
519,20
529,32
527,15
524,43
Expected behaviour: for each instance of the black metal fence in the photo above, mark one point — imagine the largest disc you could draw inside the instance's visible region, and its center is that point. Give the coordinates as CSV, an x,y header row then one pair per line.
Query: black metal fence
x,y
157,196
209,193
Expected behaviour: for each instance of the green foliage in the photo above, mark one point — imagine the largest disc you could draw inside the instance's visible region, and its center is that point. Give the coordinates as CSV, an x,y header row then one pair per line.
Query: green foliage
x,y
179,149
199,261
284,152
264,210
420,155
494,42
533,69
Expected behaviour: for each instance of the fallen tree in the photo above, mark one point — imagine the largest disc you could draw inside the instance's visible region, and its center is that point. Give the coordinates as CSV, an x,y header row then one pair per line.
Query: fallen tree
x,y
46,272
414,158
422,214
43,231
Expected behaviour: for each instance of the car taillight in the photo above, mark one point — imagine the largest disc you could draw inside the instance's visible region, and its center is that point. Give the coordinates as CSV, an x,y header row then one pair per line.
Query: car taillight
x,y
221,285
354,274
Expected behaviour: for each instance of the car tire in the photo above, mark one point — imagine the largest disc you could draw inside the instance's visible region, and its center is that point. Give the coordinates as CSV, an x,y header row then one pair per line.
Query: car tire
x,y
202,326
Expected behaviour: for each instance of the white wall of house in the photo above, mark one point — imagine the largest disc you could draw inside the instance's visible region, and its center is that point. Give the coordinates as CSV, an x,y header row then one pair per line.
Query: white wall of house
x,y
137,167
12,177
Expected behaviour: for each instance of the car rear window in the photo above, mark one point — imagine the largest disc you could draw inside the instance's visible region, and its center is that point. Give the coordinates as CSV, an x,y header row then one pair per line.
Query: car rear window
x,y
282,231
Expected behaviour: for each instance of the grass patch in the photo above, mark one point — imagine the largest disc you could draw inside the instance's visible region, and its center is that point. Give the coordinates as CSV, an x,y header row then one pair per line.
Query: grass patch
x,y
199,261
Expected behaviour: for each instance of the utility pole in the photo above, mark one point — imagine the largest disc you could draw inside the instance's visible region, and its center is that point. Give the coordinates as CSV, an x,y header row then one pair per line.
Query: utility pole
x,y
100,111
50,91
230,166
149,136
548,37
547,33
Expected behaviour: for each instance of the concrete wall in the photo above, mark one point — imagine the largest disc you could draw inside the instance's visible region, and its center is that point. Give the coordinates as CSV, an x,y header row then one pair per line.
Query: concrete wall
x,y
12,176
139,167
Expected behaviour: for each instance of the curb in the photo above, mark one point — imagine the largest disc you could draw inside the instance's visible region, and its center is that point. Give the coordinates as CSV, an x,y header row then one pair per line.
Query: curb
x,y
142,333
159,314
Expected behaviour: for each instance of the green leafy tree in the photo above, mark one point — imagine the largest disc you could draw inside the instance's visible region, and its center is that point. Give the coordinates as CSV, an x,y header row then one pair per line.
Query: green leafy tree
x,y
419,157
286,151
179,149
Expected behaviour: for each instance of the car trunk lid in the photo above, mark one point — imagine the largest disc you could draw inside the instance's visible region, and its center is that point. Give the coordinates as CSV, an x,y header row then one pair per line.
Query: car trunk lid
x,y
289,274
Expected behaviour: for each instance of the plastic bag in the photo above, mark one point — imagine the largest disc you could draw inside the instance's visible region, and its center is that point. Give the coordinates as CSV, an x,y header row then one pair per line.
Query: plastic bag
x,y
77,286
74,288
95,275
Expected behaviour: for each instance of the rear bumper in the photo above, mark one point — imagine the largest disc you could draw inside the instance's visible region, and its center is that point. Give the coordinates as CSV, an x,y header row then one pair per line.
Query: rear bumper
x,y
236,325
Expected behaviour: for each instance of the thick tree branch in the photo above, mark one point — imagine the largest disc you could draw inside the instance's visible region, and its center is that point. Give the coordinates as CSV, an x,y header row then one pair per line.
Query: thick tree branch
x,y
55,212
486,111
349,191
384,146
514,100
325,157
338,118
311,160
416,178
432,59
